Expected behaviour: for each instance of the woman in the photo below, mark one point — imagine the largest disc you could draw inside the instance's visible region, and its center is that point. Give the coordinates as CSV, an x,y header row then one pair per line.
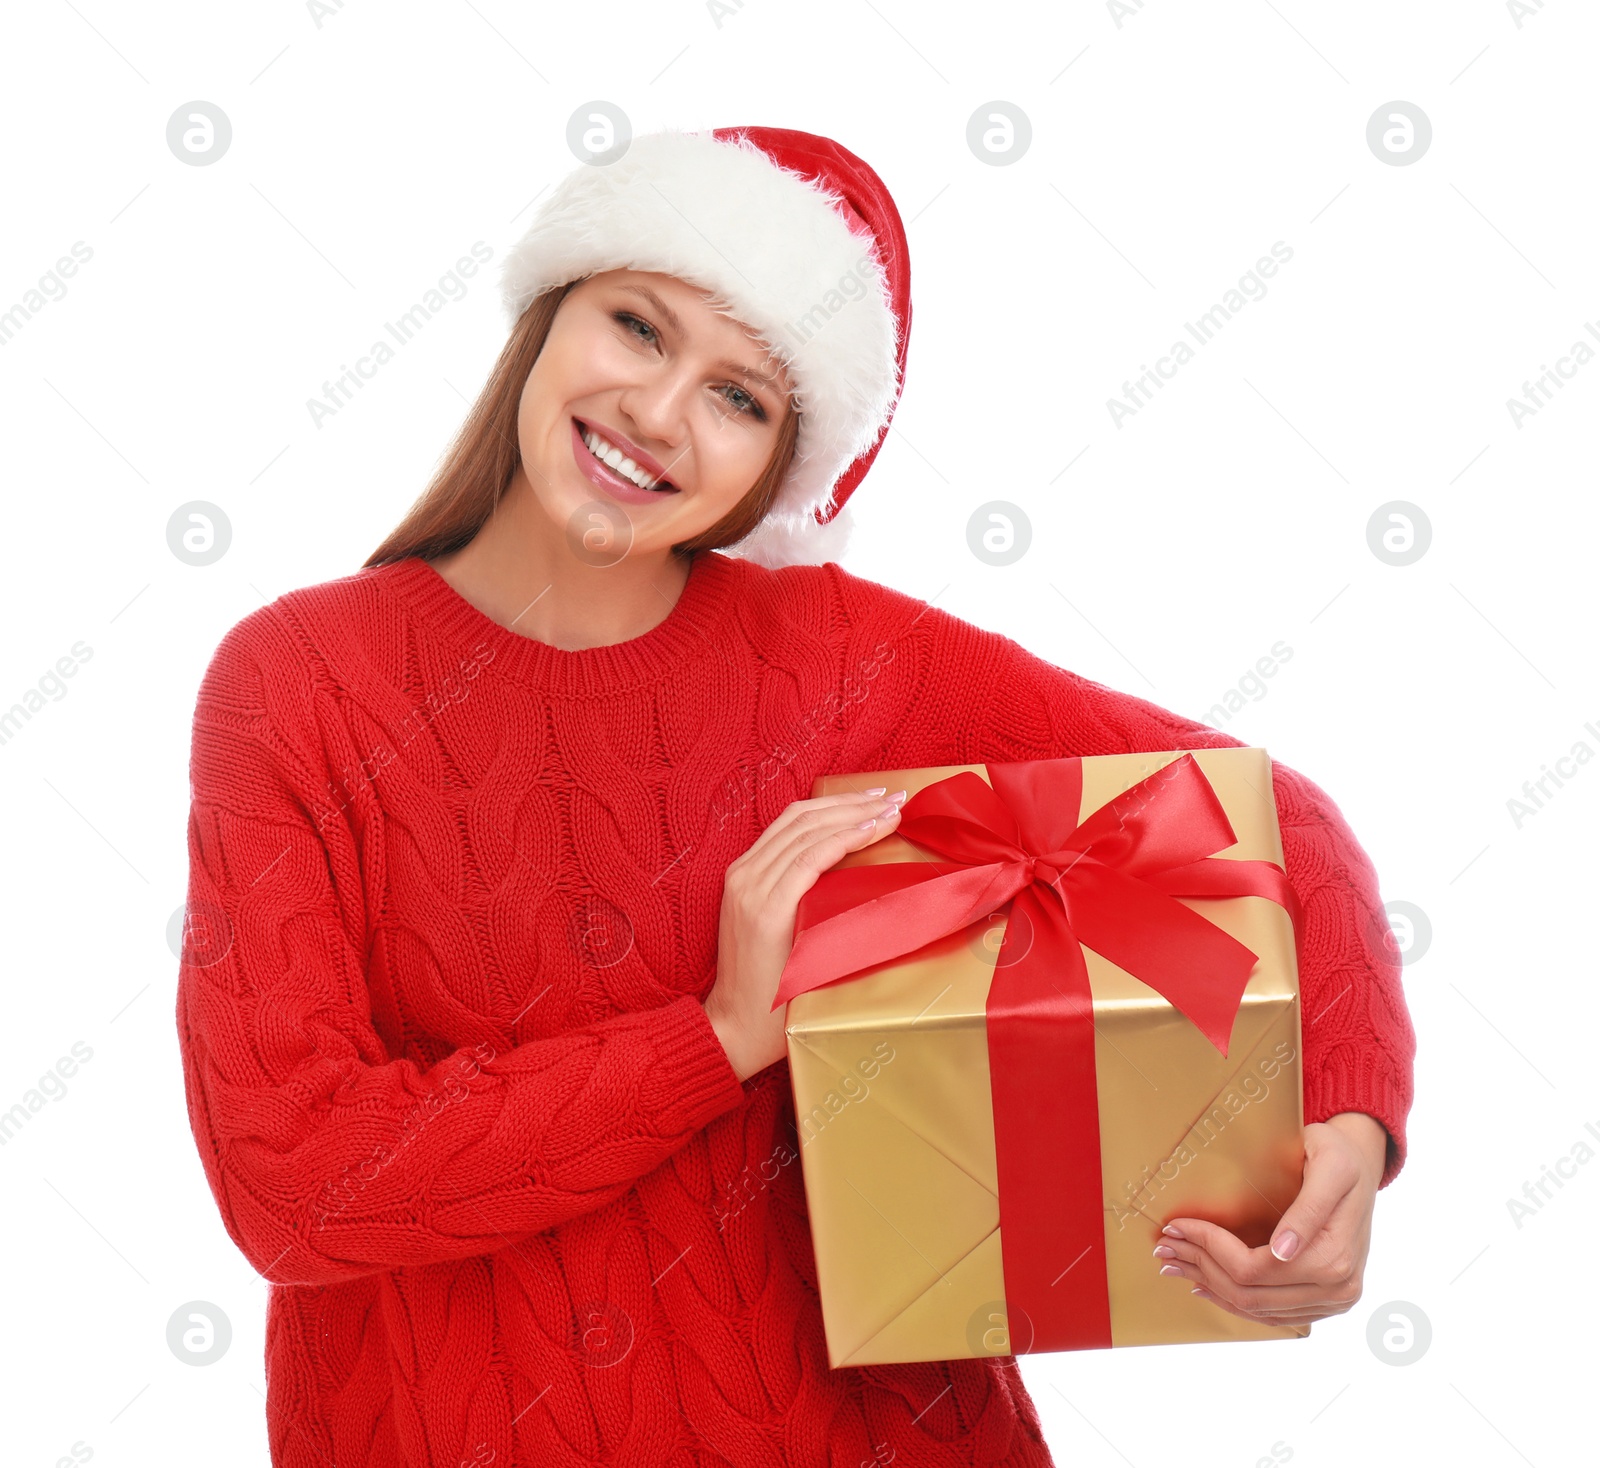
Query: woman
x,y
496,848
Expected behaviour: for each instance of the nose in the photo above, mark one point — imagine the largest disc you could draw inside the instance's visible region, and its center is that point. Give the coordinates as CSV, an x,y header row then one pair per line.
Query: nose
x,y
658,406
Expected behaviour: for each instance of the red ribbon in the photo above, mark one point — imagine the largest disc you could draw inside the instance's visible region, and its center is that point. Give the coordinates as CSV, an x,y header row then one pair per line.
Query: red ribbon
x,y
1109,884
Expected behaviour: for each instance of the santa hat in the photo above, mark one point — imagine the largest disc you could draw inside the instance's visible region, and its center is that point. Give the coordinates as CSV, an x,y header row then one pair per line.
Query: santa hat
x,y
794,236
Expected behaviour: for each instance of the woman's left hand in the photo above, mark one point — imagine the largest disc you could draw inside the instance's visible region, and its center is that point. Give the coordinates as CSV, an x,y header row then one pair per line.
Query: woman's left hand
x,y
1314,1265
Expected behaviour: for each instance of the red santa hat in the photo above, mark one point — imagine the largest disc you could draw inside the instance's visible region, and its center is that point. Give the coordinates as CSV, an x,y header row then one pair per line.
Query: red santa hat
x,y
794,236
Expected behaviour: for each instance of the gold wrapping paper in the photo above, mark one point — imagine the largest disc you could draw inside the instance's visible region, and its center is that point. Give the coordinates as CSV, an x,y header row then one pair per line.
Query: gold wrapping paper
x,y
890,1070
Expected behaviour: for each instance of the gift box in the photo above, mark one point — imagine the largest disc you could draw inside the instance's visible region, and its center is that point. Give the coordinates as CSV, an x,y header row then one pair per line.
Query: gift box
x,y
1054,1008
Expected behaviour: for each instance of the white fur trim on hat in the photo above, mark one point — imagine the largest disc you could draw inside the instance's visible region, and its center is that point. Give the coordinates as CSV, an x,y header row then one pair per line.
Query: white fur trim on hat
x,y
773,253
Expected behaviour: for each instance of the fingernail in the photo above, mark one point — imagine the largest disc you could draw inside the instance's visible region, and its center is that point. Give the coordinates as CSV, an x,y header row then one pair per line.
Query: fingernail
x,y
881,790
898,795
867,825
1284,1246
1161,1251
1204,1294
1170,1269
1173,1231
890,812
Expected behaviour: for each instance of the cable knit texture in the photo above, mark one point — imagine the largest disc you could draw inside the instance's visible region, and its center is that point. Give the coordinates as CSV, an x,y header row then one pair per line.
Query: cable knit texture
x,y
453,904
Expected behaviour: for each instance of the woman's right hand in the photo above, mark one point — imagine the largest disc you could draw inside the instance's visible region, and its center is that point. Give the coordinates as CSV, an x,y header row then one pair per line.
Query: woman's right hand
x,y
760,898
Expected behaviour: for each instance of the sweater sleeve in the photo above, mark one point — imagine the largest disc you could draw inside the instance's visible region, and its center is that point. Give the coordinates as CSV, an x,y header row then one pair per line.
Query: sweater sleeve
x,y
328,1159
1357,1037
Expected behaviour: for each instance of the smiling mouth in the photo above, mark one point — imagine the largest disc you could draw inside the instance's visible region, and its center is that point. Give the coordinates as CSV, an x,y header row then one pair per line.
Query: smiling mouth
x,y
619,463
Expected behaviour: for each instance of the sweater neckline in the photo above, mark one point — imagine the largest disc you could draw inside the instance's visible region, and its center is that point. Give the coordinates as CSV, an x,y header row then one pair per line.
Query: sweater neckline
x,y
695,620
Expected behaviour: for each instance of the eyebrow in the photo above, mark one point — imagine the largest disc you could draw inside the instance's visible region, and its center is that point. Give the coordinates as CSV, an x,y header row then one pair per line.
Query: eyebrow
x,y
670,316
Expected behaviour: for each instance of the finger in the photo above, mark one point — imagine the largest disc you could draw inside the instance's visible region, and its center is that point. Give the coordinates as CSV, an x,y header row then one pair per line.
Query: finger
x,y
1305,1317
1268,1302
1311,1312
827,823
801,813
1251,1299
1287,1317
798,808
815,843
811,853
1235,1259
1309,1317
1181,1251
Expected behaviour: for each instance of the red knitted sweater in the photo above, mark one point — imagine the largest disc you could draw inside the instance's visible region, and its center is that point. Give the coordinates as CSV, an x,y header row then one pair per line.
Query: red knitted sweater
x,y
454,900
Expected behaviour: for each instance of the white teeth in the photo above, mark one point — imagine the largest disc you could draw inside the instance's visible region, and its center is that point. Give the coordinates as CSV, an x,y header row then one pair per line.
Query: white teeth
x,y
618,460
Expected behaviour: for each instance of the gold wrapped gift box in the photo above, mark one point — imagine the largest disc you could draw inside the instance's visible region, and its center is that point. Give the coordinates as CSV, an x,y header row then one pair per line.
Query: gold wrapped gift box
x,y
891,1078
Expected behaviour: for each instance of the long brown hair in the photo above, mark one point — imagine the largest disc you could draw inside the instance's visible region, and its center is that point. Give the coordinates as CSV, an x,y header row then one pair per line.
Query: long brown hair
x,y
478,467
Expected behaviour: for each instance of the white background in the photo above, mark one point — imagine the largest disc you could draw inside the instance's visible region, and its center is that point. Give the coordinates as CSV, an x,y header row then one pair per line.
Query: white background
x,y
1168,154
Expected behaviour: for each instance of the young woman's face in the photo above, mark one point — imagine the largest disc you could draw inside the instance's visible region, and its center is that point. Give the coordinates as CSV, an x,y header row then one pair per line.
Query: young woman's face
x,y
694,400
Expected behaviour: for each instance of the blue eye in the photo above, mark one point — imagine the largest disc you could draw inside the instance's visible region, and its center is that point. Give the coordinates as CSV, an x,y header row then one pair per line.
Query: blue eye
x,y
629,320
743,402
748,405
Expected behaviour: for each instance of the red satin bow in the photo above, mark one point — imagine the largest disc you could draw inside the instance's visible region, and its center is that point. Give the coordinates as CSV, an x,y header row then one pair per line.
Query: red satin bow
x,y
1110,884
